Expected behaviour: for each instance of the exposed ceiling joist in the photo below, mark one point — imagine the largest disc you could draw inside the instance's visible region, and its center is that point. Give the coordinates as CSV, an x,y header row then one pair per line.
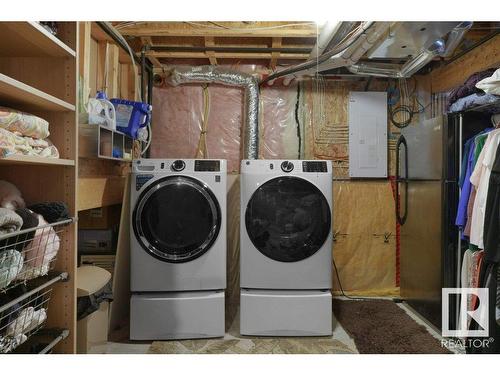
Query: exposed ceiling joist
x,y
257,29
226,55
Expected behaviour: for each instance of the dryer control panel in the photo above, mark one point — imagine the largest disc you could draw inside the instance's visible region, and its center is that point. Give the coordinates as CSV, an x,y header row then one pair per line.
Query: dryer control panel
x,y
207,166
314,166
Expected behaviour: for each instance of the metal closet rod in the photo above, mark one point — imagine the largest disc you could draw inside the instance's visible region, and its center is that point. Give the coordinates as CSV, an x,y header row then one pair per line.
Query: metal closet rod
x,y
60,277
59,338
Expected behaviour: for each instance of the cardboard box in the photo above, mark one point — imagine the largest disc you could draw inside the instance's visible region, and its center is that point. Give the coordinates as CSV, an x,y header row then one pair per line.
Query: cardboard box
x,y
100,218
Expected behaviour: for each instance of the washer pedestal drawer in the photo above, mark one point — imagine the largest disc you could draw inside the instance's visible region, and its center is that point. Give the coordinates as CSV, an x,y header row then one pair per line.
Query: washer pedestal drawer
x,y
286,312
177,315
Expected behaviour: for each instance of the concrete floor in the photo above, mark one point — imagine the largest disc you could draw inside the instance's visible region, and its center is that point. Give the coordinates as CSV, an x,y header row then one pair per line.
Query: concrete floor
x,y
338,334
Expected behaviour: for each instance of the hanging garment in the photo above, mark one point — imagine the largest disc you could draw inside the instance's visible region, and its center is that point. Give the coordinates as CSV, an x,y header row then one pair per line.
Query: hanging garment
x,y
466,277
480,179
465,191
470,207
491,231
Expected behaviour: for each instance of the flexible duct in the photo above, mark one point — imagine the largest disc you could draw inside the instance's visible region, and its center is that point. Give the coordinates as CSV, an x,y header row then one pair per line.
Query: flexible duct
x,y
209,74
401,71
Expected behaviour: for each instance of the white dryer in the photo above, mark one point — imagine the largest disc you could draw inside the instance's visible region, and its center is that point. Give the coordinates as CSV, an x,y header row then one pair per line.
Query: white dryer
x,y
286,248
177,248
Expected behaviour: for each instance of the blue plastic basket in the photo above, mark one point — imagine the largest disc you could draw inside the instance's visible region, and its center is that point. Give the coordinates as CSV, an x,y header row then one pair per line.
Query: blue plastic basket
x,y
131,116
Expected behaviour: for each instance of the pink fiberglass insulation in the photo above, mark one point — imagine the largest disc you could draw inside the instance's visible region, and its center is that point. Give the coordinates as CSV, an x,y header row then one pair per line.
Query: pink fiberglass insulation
x,y
177,122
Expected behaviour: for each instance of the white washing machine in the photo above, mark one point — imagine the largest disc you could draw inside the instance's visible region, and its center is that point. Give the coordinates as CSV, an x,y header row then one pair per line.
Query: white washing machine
x,y
177,248
286,248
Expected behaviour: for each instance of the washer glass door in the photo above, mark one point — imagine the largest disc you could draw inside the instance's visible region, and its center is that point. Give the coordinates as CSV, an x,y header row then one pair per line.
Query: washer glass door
x,y
288,219
177,219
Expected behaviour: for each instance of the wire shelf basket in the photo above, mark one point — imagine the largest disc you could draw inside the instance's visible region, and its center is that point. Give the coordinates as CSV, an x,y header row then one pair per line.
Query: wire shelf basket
x,y
24,315
30,253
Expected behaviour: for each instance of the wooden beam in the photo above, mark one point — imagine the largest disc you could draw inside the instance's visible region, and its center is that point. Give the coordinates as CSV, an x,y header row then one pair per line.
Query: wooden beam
x,y
112,73
209,42
148,41
258,29
226,55
275,55
84,60
485,56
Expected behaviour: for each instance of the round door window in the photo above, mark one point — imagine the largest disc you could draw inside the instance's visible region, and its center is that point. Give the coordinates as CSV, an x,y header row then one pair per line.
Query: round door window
x,y
177,219
288,219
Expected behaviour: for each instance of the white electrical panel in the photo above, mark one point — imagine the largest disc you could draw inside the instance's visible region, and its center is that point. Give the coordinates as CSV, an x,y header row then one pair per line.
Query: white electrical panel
x,y
367,134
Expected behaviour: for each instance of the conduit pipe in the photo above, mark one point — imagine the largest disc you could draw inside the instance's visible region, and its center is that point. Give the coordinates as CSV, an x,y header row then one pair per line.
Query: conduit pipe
x,y
214,74
401,71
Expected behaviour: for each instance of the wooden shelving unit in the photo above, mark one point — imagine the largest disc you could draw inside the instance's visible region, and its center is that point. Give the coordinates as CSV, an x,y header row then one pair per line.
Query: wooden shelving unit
x,y
15,93
30,39
38,76
35,160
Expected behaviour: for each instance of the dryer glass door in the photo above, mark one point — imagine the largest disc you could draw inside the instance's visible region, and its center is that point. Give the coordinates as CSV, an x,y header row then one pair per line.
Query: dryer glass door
x,y
177,219
288,219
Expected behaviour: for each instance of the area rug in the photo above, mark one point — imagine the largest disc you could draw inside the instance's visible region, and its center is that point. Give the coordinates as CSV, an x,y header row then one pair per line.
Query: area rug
x,y
233,343
382,327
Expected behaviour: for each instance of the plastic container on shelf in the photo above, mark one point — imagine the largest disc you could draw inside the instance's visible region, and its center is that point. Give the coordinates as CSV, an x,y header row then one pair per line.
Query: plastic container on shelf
x,y
131,116
101,111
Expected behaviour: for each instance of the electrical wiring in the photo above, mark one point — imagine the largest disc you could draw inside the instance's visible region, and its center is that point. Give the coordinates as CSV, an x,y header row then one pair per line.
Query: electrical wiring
x,y
201,150
402,115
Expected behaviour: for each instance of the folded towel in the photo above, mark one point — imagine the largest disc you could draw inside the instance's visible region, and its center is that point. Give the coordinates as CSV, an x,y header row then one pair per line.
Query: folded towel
x,y
8,344
9,221
27,320
51,211
40,252
11,263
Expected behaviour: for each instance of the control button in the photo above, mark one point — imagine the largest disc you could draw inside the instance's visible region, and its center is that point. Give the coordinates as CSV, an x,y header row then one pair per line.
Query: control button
x,y
287,166
178,165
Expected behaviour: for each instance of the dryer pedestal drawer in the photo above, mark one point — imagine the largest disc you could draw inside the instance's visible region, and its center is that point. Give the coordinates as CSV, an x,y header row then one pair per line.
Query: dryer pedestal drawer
x,y
177,315
285,312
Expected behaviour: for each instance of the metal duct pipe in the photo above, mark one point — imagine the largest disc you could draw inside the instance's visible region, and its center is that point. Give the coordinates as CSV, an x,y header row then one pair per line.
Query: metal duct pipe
x,y
208,74
455,37
331,34
400,71
355,51
310,64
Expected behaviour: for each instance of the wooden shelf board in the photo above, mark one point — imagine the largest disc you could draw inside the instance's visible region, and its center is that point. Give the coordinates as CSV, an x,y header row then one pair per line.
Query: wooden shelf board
x,y
26,98
30,39
99,191
36,160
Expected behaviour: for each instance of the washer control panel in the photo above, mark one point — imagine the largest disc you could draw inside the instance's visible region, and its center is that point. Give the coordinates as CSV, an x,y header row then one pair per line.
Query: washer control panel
x,y
314,166
207,166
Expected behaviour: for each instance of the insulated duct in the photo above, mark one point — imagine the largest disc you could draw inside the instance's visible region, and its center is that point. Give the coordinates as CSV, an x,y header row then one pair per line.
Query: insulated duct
x,y
401,71
214,74
331,34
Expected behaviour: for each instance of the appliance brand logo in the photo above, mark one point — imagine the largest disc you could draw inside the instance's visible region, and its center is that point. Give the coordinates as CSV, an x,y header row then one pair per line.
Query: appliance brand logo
x,y
477,313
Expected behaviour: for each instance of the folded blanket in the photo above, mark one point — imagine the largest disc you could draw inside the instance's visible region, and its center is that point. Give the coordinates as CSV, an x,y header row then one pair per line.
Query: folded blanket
x,y
40,252
11,263
23,123
9,221
16,144
27,320
490,85
51,211
469,87
472,101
